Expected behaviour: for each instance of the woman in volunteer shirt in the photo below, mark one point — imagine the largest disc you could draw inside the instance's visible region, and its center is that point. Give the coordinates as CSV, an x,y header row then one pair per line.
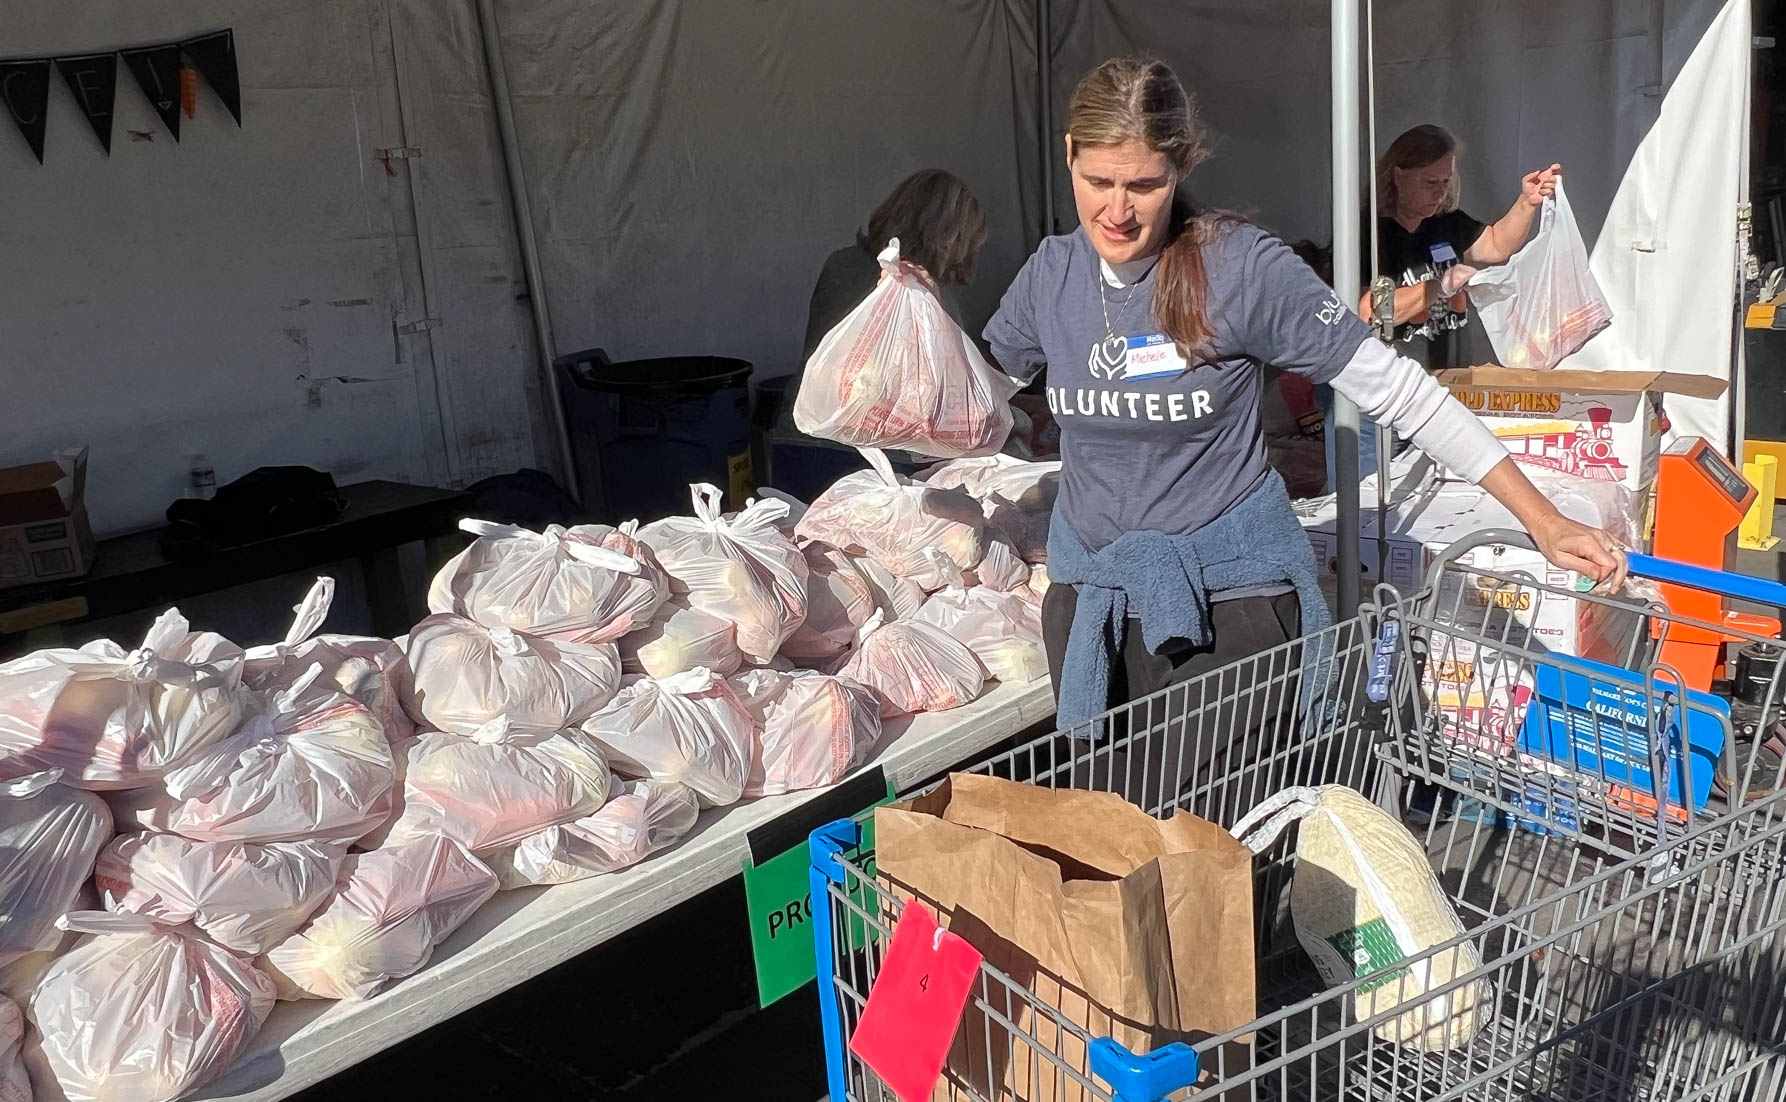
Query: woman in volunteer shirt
x,y
1174,548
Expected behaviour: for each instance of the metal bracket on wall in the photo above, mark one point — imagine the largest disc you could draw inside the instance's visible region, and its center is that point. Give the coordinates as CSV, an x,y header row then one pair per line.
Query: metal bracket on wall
x,y
401,329
396,153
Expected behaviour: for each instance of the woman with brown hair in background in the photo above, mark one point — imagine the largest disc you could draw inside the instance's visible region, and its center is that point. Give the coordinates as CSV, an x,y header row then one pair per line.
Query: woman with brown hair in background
x,y
1174,548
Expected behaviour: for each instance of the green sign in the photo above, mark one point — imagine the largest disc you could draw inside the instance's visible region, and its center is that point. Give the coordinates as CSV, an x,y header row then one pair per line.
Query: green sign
x,y
778,897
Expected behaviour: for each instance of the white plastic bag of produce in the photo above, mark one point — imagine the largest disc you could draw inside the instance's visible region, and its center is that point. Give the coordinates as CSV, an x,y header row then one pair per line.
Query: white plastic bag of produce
x,y
15,1084
389,910
1365,904
1544,304
572,583
315,768
1015,495
813,729
897,598
464,675
644,817
1003,630
112,719
245,897
914,667
892,520
369,669
839,600
691,729
1001,568
49,836
897,372
739,568
680,639
496,787
144,1013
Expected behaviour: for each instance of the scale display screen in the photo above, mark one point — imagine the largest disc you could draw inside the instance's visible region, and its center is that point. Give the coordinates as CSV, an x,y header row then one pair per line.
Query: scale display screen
x,y
1722,475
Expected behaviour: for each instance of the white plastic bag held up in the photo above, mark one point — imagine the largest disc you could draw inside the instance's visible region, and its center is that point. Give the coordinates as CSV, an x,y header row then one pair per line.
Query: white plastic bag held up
x,y
898,373
1543,304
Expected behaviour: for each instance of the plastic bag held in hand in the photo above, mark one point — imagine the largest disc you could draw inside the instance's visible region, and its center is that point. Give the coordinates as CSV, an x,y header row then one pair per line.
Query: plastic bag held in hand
x,y
497,787
644,817
247,898
369,669
680,639
464,675
892,520
1544,304
389,910
839,600
109,719
143,1012
740,568
49,836
315,768
690,729
897,372
563,582
1002,629
914,667
813,729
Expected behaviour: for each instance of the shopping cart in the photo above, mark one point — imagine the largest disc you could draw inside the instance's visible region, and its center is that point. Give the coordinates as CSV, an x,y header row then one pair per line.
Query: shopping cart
x,y
1616,965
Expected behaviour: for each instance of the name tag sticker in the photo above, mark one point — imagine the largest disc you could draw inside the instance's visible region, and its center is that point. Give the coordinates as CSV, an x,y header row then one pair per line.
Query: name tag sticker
x,y
1153,356
1443,254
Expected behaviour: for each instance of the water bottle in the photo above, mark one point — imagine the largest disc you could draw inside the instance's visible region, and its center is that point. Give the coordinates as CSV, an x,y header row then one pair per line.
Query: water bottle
x,y
201,479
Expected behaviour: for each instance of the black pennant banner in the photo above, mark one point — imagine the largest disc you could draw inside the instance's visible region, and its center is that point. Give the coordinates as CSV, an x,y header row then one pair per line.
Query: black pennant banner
x,y
93,79
25,94
214,56
157,72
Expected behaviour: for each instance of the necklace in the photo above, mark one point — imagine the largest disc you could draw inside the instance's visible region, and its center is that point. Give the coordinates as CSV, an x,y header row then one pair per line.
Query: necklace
x,y
1111,355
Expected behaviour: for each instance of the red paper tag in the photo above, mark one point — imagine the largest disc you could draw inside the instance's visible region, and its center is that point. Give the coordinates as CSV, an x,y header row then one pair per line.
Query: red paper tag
x,y
915,1004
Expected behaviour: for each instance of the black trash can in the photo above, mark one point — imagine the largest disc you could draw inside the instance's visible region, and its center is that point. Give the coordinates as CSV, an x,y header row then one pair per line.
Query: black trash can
x,y
652,427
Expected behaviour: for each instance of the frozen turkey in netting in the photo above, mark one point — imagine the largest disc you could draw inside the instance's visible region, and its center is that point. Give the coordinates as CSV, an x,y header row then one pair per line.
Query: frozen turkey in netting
x,y
111,719
141,1012
690,729
575,583
740,568
245,897
369,669
893,520
49,836
643,817
914,667
389,909
497,787
464,675
897,372
680,639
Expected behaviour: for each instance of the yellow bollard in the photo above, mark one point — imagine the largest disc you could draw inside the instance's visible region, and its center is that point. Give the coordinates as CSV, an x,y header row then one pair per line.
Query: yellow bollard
x,y
1756,533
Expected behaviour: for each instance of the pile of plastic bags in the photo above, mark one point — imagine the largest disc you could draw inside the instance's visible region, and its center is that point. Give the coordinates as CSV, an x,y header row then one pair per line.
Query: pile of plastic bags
x,y
190,830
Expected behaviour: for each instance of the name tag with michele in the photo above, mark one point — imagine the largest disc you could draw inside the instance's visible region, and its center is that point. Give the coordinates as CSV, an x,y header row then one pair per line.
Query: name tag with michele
x,y
1150,358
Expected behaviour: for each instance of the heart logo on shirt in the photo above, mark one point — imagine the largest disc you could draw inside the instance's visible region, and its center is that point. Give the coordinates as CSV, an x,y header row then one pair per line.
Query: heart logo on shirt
x,y
1108,357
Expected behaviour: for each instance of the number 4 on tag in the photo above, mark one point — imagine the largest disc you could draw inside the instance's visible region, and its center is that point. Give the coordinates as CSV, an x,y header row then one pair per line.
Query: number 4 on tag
x,y
915,1004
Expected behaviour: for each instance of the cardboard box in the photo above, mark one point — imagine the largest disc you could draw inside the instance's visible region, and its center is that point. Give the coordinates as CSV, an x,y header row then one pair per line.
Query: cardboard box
x,y
1602,425
44,532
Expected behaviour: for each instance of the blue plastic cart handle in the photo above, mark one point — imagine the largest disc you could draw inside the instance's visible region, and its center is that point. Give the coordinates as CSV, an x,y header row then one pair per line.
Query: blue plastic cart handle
x,y
1740,586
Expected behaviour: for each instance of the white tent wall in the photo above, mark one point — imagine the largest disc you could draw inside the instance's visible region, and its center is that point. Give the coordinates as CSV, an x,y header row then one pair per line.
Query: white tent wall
x,y
691,163
236,294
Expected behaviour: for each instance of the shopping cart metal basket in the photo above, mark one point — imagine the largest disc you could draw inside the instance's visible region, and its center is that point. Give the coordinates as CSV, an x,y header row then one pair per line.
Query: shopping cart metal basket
x,y
1613,965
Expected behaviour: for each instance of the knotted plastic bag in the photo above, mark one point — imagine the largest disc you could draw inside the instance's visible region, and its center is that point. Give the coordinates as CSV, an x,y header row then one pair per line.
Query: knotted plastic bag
x,y
573,583
679,639
897,372
812,729
369,669
839,600
1002,629
1544,303
893,520
49,836
644,817
741,568
688,729
914,667
464,675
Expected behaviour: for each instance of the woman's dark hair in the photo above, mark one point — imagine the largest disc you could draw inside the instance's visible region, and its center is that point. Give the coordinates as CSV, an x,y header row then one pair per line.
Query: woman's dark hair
x,y
938,221
1416,148
1141,99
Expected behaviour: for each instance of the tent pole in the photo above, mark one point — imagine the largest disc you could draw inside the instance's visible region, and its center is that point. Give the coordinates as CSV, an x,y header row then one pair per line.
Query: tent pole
x,y
1346,283
547,349
1045,93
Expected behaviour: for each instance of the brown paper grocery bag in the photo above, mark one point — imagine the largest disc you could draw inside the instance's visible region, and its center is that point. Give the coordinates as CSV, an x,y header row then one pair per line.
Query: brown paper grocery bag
x,y
1132,927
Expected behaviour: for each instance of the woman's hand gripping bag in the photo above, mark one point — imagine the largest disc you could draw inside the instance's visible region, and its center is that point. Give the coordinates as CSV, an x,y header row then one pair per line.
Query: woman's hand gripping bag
x,y
1367,910
739,568
369,669
571,583
897,372
111,719
894,521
